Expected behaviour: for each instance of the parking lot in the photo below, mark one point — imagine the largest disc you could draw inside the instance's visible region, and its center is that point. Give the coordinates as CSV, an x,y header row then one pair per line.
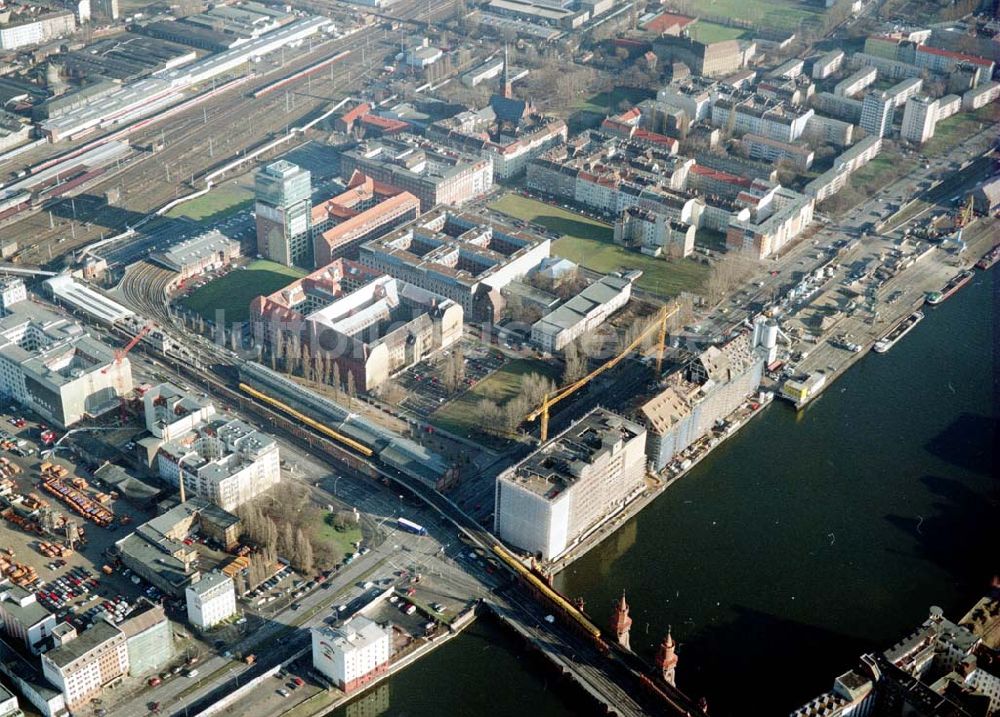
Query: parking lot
x,y
424,383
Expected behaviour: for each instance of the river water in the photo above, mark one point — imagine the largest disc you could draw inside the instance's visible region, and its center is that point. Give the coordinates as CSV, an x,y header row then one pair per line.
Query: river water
x,y
798,544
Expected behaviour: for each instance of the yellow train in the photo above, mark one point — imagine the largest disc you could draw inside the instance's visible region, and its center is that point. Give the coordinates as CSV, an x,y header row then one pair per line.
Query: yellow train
x,y
315,425
565,606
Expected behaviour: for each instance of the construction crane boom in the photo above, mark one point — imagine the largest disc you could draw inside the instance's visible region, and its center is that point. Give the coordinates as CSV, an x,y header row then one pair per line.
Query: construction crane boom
x,y
551,399
121,353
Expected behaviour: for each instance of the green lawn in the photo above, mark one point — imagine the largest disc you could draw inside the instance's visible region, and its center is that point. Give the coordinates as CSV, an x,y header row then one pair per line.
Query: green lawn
x,y
459,415
219,203
589,242
603,103
958,128
342,541
713,32
233,292
770,14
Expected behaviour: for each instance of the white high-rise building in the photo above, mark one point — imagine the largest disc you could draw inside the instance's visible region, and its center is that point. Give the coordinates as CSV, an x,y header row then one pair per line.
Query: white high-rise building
x,y
919,119
210,600
876,114
571,484
352,655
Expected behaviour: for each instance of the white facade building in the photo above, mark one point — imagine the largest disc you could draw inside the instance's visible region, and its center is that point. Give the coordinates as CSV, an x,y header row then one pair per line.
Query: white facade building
x,y
219,458
919,119
571,485
876,114
353,654
52,365
37,31
210,600
24,618
584,312
827,64
83,666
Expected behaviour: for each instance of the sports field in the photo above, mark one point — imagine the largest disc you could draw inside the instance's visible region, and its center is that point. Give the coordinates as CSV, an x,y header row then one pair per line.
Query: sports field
x,y
713,32
233,292
217,204
764,14
459,416
589,242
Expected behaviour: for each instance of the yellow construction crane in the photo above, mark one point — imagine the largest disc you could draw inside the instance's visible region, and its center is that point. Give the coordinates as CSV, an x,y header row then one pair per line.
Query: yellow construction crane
x,y
659,324
965,213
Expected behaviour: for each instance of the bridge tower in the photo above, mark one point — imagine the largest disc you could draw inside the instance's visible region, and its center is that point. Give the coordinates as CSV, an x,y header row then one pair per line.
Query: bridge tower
x,y
666,658
621,623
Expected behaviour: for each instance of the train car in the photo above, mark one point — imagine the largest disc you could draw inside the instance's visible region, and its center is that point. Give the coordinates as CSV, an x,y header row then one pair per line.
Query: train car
x,y
563,606
315,425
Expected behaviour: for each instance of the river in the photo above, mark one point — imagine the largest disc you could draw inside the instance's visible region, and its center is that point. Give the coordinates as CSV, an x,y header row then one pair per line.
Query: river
x,y
800,543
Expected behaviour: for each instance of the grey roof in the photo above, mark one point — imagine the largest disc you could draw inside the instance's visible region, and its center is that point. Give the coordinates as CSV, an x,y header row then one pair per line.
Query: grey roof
x,y
579,307
26,671
85,642
196,249
27,615
122,480
208,581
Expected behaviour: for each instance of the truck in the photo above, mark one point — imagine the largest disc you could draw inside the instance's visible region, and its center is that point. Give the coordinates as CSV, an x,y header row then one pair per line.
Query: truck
x,y
410,527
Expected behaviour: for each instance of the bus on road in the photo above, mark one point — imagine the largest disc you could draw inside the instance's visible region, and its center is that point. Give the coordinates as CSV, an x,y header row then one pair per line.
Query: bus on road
x,y
410,527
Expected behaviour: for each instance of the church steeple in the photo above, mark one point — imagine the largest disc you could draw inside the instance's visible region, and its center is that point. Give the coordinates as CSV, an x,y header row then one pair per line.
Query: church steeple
x,y
507,90
666,658
621,623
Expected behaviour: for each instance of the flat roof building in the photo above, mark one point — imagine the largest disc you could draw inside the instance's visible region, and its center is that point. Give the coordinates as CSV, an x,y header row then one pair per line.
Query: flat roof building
x,y
156,551
85,665
571,485
53,366
584,312
353,654
210,599
464,257
24,618
149,638
433,174
284,213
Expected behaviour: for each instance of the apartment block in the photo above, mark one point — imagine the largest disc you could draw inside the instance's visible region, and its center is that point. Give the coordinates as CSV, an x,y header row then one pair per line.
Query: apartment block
x,y
210,600
352,655
827,64
571,485
433,174
24,618
465,257
919,119
83,666
654,232
876,114
367,210
855,82
772,150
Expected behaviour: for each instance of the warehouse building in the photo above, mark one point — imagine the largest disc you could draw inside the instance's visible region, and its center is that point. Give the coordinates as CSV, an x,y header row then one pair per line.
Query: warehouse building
x,y
571,485
205,252
713,385
581,314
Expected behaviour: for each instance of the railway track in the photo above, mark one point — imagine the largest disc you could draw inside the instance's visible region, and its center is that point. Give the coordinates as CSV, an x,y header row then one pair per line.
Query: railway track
x,y
202,136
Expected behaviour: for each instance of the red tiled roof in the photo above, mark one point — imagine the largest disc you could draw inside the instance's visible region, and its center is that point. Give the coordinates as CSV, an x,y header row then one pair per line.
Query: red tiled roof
x,y
666,21
655,137
961,56
384,123
720,175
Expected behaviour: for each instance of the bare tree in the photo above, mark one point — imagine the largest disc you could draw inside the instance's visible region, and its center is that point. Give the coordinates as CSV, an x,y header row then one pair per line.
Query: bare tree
x,y
454,370
576,366
303,553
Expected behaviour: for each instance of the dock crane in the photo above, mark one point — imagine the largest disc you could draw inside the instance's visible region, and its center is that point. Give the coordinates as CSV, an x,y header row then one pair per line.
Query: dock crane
x,y
659,324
